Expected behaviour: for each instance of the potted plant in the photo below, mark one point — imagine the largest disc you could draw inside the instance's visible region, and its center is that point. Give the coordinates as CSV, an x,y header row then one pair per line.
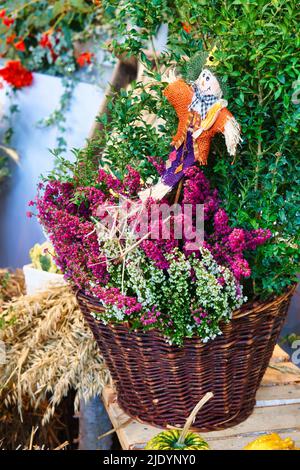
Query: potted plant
x,y
174,321
42,273
51,37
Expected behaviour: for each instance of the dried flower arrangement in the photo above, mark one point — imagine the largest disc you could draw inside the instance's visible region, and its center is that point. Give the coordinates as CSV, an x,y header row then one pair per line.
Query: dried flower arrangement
x,y
145,295
68,206
205,284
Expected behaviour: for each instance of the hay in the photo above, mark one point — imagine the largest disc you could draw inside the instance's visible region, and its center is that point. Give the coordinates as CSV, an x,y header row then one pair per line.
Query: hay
x,y
11,285
30,434
50,351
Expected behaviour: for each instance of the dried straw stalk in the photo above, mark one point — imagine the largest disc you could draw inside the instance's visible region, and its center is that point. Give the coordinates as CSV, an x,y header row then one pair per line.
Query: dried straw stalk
x,y
50,350
11,285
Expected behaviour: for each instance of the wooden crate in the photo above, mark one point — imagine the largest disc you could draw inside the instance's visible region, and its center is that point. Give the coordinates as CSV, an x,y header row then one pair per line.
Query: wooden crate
x,y
277,410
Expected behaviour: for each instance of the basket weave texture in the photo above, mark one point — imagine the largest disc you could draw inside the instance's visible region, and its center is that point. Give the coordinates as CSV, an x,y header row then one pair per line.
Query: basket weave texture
x,y
160,384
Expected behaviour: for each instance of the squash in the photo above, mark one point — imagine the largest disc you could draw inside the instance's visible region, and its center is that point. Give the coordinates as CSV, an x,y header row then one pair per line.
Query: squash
x,y
177,439
168,440
271,442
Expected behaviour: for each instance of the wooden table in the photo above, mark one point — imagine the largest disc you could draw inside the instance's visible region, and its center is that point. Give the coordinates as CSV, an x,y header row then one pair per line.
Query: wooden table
x,y
277,410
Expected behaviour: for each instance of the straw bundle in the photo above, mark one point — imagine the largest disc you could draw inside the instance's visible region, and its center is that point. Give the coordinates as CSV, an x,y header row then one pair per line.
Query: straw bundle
x,y
15,434
50,351
11,285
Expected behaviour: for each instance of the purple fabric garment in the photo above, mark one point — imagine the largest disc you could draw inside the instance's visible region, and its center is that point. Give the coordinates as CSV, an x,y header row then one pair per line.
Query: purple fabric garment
x,y
186,150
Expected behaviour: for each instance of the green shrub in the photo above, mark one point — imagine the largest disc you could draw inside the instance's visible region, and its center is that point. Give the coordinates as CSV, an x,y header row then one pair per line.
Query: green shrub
x,y
258,49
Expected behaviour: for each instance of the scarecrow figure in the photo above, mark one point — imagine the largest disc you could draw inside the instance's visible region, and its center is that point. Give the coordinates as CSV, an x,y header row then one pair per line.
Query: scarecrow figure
x,y
202,113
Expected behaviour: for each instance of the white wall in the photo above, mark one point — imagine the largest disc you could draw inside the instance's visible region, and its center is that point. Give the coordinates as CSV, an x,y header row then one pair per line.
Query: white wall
x,y
17,232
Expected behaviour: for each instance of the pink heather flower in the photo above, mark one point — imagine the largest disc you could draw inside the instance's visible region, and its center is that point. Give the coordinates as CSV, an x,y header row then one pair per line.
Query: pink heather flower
x,y
72,235
236,239
211,205
112,296
132,181
79,256
109,180
29,214
158,164
155,253
133,309
257,237
196,186
221,222
150,317
240,268
31,203
199,314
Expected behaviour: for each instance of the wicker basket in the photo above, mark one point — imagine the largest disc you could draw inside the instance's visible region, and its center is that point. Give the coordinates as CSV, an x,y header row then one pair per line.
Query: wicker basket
x,y
160,384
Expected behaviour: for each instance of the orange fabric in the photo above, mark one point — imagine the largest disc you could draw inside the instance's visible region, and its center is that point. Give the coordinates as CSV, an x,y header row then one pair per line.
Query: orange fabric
x,y
180,94
205,138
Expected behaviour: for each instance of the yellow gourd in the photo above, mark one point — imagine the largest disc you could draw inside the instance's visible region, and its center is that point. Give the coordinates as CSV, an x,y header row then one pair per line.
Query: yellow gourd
x,y
271,442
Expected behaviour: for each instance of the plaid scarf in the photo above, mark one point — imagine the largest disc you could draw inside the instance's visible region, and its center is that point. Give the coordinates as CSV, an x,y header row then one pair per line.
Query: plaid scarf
x,y
201,103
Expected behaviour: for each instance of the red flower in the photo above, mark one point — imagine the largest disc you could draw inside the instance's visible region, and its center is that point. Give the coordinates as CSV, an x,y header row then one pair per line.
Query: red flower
x,y
2,13
45,41
53,55
20,45
8,21
187,27
10,39
84,59
46,44
16,75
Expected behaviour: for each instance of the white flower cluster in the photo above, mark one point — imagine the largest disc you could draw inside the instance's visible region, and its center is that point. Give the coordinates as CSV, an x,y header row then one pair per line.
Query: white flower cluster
x,y
194,296
217,292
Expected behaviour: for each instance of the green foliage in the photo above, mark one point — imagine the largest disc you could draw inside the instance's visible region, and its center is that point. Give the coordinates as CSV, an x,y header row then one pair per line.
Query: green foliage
x,y
32,17
258,49
128,126
289,339
65,24
259,43
135,22
4,171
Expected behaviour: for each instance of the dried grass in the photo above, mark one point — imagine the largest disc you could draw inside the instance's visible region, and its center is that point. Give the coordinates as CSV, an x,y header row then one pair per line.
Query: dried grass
x,y
11,285
30,435
50,351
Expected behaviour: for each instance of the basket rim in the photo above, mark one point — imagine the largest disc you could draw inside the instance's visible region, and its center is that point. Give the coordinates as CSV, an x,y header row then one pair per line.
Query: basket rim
x,y
247,309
